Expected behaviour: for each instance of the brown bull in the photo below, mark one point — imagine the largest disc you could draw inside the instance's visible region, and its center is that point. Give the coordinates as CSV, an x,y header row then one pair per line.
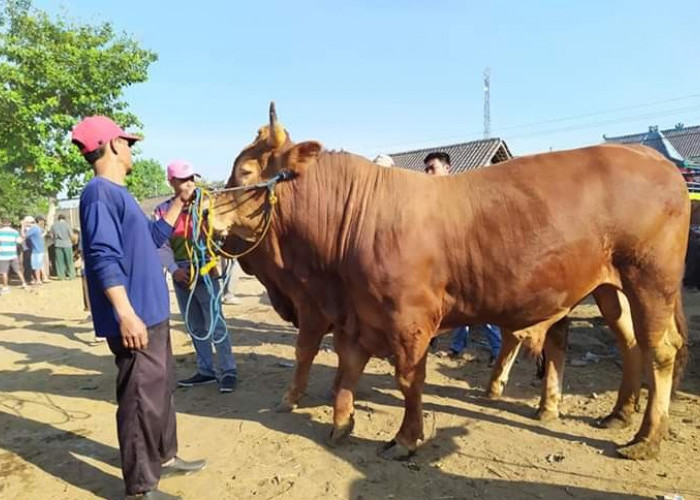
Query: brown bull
x,y
387,258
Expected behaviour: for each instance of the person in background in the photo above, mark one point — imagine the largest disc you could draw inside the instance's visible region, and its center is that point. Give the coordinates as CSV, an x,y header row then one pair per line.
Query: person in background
x,y
63,249
384,160
26,255
9,240
35,239
438,164
235,268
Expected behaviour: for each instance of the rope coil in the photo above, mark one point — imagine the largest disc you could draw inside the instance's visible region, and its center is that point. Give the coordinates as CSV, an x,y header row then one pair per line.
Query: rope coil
x,y
203,251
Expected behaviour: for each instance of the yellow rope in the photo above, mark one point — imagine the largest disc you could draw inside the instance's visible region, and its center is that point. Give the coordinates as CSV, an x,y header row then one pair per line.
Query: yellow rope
x,y
212,247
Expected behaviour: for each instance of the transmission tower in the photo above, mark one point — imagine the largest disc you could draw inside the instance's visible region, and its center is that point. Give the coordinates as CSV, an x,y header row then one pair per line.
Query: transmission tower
x,y
487,103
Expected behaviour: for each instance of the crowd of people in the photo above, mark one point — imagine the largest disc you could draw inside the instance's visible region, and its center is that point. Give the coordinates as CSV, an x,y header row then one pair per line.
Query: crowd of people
x,y
25,248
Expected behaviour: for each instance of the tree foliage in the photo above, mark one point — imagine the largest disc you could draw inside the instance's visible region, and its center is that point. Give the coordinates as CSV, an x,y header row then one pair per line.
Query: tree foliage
x,y
147,179
54,72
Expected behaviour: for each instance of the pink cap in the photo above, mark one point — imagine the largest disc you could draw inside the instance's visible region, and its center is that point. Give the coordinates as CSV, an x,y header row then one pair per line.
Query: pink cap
x,y
180,169
96,131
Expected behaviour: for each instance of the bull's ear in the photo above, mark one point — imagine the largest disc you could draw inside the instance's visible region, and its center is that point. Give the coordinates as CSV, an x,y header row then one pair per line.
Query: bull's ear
x,y
302,155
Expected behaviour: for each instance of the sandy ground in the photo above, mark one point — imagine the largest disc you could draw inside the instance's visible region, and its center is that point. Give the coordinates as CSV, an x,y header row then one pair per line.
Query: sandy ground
x,y
58,438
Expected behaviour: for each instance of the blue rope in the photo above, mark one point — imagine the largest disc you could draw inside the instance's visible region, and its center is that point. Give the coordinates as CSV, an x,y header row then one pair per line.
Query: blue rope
x,y
199,258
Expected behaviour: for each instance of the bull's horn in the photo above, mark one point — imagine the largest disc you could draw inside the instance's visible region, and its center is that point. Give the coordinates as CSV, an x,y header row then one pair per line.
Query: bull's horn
x,y
277,136
273,115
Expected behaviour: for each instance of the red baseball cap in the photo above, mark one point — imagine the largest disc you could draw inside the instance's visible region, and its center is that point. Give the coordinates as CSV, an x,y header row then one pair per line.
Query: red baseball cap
x,y
180,169
96,131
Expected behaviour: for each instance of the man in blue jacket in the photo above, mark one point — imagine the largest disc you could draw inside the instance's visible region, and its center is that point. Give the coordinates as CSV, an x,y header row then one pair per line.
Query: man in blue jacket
x,y
130,306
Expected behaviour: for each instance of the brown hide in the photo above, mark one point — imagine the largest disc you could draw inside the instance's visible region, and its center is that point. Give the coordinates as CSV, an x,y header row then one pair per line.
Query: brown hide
x,y
389,257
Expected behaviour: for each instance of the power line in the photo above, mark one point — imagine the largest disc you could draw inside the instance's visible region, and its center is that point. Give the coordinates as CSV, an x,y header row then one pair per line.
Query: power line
x,y
474,135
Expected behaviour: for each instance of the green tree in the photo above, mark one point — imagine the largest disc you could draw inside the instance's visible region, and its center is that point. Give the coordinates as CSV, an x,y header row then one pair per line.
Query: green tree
x,y
147,179
53,73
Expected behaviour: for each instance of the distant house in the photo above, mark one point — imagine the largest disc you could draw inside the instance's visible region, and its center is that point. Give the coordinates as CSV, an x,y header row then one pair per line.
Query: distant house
x,y
680,144
465,156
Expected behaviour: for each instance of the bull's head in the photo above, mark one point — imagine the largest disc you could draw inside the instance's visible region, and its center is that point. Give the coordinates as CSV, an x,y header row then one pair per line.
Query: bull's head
x,y
242,213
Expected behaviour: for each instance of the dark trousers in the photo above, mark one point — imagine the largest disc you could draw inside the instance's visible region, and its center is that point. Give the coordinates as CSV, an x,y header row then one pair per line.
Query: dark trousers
x,y
63,262
27,265
145,413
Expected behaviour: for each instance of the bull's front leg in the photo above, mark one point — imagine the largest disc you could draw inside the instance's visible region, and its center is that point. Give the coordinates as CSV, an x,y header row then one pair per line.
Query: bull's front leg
x,y
510,346
308,344
352,359
555,356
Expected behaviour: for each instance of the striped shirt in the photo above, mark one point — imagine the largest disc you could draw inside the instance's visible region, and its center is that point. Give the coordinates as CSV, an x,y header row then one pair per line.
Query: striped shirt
x,y
8,243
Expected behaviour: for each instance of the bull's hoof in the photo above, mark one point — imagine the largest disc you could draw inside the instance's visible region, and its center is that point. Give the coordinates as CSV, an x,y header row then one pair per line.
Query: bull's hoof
x,y
494,392
641,450
544,415
393,450
340,433
285,406
615,420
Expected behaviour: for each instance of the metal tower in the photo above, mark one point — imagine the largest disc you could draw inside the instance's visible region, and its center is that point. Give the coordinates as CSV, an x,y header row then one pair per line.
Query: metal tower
x,y
487,103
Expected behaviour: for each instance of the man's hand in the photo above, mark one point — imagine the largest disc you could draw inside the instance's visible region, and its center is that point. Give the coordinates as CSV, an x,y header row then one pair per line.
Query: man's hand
x,y
134,332
181,276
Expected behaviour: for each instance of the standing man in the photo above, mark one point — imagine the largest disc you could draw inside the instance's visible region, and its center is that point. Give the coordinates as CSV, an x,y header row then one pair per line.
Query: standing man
x,y
197,316
130,306
9,239
438,163
63,248
35,241
234,271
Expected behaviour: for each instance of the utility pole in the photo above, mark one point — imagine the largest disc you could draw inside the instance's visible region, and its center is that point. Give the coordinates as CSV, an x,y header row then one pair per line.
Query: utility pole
x,y
487,103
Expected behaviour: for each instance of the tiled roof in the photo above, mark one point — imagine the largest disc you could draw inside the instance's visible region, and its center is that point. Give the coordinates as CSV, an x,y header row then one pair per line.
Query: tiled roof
x,y
464,156
685,140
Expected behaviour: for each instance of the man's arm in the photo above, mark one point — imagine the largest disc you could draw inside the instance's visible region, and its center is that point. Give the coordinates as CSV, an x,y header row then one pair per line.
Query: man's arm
x,y
102,238
162,229
165,252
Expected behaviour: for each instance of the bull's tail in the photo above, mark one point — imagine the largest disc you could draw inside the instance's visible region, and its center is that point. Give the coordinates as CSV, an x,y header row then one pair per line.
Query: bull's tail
x,y
682,353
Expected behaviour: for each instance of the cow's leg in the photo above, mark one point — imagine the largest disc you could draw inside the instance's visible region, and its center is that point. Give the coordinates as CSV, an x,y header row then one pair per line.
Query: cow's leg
x,y
510,346
410,377
352,360
659,340
554,355
615,308
308,342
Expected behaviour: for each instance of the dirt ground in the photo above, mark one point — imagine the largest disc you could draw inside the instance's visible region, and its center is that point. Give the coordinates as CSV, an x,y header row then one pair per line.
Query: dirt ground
x,y
58,437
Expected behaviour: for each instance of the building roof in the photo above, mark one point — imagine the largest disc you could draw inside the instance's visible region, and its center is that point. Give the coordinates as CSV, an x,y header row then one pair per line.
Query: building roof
x,y
684,140
464,156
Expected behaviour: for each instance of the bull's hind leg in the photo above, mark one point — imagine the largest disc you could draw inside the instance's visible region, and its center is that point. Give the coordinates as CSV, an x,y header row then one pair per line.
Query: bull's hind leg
x,y
510,345
615,309
410,377
555,355
352,360
659,340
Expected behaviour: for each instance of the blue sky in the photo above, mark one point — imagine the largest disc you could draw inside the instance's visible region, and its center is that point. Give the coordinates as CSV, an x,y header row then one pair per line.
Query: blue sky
x,y
381,76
